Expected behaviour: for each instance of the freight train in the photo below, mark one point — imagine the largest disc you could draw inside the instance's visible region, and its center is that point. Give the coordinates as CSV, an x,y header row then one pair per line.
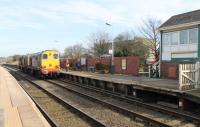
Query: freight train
x,y
42,64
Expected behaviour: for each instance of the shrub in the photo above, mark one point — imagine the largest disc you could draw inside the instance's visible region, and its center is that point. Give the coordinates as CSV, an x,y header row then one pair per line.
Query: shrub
x,y
99,66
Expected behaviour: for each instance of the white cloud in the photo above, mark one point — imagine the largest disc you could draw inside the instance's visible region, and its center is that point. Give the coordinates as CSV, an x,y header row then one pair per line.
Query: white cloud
x,y
126,13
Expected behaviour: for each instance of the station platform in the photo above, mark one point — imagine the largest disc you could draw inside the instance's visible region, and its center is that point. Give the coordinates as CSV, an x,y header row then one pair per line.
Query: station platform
x,y
16,107
163,86
193,95
139,82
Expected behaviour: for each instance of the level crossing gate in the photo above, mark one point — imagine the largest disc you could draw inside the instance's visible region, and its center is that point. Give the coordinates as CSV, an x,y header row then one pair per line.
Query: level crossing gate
x,y
189,76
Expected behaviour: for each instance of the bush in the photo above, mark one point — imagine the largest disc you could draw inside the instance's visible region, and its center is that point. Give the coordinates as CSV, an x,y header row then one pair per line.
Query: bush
x,y
100,66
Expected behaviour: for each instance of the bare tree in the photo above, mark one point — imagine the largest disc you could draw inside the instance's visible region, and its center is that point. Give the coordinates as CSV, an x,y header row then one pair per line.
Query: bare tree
x,y
124,36
75,51
99,43
152,35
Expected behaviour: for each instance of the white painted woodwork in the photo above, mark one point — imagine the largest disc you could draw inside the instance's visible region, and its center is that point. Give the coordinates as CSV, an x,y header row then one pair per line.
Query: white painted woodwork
x,y
189,76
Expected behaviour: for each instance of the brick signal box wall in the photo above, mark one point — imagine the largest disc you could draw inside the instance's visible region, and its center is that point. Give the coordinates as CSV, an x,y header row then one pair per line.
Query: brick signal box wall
x,y
170,70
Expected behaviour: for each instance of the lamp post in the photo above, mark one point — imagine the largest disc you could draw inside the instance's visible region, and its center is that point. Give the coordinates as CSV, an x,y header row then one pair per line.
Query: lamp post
x,y
55,44
112,67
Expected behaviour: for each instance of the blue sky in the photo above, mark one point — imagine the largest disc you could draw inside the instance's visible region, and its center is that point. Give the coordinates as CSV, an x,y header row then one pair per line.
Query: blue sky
x,y
28,26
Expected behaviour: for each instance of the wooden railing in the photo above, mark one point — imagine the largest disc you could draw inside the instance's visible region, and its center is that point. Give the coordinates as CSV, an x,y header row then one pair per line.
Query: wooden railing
x,y
152,70
189,76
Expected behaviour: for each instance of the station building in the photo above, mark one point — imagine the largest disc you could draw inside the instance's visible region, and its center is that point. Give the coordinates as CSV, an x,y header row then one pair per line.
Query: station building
x,y
180,42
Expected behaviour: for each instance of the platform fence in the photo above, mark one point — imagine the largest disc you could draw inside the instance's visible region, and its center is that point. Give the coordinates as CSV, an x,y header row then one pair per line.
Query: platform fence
x,y
189,76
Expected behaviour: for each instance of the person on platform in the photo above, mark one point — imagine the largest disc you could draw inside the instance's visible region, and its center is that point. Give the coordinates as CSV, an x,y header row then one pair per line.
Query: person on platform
x,y
67,65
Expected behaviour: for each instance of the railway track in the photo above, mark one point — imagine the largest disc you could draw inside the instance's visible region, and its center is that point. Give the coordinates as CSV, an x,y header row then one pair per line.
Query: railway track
x,y
104,114
182,114
147,117
58,112
102,111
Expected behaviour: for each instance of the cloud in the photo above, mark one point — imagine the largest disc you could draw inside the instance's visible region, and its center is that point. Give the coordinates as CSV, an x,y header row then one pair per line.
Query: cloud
x,y
79,11
126,13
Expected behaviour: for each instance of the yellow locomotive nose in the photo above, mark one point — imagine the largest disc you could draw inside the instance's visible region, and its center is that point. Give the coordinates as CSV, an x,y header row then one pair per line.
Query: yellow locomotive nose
x,y
50,59
45,62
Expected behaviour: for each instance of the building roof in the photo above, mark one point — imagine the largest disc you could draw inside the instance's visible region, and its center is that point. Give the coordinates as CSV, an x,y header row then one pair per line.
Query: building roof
x,y
185,18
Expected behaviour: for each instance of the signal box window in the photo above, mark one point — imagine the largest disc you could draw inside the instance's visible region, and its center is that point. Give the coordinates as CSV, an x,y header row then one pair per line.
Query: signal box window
x,y
55,56
184,37
44,56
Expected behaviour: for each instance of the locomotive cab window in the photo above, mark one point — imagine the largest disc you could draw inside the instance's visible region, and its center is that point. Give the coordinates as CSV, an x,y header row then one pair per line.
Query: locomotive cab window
x,y
55,56
44,56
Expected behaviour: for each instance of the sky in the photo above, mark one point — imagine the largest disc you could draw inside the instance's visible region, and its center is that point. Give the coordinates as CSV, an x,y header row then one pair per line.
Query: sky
x,y
29,26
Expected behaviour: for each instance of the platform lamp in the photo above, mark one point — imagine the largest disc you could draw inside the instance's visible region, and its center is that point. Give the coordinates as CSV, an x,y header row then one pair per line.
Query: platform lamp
x,y
112,67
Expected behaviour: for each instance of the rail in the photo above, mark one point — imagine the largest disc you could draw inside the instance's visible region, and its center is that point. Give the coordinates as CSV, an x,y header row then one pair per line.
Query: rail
x,y
50,120
137,101
148,121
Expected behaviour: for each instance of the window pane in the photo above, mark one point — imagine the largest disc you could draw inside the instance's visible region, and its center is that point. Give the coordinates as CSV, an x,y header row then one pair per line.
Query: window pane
x,y
44,56
193,35
55,56
174,38
184,37
166,39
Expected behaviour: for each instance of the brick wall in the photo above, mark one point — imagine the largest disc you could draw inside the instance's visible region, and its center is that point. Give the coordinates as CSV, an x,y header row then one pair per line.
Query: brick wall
x,y
132,64
169,70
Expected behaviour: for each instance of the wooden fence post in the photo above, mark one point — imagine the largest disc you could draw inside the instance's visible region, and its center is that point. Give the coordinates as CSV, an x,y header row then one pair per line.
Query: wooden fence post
x,y
198,83
149,70
197,74
180,76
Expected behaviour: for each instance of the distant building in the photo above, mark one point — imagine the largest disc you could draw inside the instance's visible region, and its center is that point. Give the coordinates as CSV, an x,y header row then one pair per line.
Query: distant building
x,y
131,45
151,57
180,42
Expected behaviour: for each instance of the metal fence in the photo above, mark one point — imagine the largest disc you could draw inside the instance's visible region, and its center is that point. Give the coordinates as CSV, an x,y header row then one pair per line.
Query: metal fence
x,y
189,76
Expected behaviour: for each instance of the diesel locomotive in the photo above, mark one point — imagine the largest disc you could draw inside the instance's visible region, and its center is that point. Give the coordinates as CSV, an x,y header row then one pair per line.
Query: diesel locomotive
x,y
42,64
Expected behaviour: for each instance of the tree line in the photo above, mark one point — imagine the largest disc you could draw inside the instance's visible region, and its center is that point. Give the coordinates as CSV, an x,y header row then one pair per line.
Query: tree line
x,y
125,43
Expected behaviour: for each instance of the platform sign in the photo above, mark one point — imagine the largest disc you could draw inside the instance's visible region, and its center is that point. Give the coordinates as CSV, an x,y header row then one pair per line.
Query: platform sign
x,y
110,51
123,64
83,61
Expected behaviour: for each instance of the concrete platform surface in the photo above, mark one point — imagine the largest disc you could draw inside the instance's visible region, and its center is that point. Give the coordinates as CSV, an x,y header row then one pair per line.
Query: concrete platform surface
x,y
16,107
164,84
193,95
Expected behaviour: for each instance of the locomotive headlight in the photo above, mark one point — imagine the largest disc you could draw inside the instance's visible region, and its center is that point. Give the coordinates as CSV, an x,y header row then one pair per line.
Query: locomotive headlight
x,y
44,67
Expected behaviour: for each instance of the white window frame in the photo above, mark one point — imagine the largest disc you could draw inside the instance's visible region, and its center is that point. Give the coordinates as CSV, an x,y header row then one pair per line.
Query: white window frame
x,y
171,34
187,37
197,35
168,35
179,42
